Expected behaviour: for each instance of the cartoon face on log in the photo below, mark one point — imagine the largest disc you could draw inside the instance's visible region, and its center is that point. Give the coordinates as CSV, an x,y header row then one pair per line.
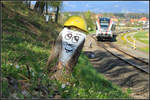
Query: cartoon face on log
x,y
71,40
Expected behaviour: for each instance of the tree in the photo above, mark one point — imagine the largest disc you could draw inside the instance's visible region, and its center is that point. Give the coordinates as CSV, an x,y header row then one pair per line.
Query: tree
x,y
89,21
29,4
39,6
57,5
46,7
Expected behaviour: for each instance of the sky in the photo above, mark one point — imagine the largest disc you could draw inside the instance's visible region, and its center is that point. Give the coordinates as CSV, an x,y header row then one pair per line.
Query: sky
x,y
107,6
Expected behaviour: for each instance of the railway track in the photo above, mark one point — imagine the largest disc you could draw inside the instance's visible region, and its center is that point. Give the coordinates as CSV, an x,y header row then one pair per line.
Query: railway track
x,y
130,59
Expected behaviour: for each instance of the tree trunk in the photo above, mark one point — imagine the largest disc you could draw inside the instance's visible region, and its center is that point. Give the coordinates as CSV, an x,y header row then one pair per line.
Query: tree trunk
x,y
29,4
42,5
46,8
56,18
37,6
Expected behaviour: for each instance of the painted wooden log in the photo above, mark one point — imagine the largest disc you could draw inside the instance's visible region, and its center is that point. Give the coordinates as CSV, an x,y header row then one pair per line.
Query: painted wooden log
x,y
66,50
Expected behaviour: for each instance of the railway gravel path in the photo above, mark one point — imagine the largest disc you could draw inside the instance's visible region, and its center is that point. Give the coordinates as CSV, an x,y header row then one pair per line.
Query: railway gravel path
x,y
117,71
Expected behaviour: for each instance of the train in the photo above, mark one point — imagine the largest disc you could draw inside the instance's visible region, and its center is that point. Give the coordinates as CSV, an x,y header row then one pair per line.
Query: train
x,y
105,28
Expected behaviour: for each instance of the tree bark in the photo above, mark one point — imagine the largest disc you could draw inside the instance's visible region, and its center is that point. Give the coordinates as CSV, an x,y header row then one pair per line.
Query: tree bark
x,y
56,47
57,12
37,6
46,8
29,4
42,5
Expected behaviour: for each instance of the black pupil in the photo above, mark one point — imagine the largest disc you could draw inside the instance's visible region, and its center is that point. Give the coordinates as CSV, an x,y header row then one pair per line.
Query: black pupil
x,y
76,38
69,35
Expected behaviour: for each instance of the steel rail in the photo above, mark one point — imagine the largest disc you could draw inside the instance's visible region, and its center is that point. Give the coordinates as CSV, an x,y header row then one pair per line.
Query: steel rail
x,y
144,63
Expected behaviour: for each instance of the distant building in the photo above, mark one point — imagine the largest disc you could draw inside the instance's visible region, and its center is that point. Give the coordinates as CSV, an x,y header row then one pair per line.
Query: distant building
x,y
146,25
114,19
133,21
123,22
143,20
98,15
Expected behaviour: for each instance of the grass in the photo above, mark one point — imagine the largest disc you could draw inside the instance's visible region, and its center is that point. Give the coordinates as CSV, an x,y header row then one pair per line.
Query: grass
x,y
94,31
142,37
20,54
24,56
138,36
122,38
130,39
145,49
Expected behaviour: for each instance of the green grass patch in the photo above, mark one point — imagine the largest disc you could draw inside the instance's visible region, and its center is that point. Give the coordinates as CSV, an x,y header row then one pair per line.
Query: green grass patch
x,y
130,39
144,49
142,37
94,31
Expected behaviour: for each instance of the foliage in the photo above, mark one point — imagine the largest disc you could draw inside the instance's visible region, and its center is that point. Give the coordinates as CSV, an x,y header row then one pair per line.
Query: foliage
x,y
41,5
90,22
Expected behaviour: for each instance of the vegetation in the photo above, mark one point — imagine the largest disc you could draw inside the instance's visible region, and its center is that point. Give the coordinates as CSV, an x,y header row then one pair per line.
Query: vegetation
x,y
142,36
131,15
25,49
90,22
42,6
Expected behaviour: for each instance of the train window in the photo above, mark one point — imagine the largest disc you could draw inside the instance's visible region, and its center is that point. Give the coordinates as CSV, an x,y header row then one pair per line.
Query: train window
x,y
104,22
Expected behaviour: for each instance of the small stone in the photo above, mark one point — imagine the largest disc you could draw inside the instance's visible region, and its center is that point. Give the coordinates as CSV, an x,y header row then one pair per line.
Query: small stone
x,y
25,93
17,66
57,96
33,74
63,85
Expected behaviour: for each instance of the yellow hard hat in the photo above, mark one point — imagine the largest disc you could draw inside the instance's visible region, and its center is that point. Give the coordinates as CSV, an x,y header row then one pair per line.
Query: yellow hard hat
x,y
78,22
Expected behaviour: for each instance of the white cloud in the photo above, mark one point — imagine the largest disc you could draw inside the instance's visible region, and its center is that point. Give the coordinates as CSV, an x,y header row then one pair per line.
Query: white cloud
x,y
97,10
125,11
146,2
69,5
142,10
87,5
116,6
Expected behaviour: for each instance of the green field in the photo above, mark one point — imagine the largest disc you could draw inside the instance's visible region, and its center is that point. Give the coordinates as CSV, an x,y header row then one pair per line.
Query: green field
x,y
142,36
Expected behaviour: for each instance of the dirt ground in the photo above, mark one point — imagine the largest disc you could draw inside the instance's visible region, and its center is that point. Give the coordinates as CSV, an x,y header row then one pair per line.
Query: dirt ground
x,y
117,71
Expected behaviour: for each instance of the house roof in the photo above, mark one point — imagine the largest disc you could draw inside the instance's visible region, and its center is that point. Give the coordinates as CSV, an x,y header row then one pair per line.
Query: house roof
x,y
115,19
143,19
133,20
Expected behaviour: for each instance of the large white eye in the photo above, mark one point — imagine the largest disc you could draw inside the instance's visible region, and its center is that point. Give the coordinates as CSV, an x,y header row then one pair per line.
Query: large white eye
x,y
68,36
75,39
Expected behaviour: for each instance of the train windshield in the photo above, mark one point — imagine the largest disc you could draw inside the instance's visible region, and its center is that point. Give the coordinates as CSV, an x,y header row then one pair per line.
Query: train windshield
x,y
104,22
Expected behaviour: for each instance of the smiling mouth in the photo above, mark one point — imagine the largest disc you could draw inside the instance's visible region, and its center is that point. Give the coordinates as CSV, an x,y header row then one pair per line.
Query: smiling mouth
x,y
67,50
